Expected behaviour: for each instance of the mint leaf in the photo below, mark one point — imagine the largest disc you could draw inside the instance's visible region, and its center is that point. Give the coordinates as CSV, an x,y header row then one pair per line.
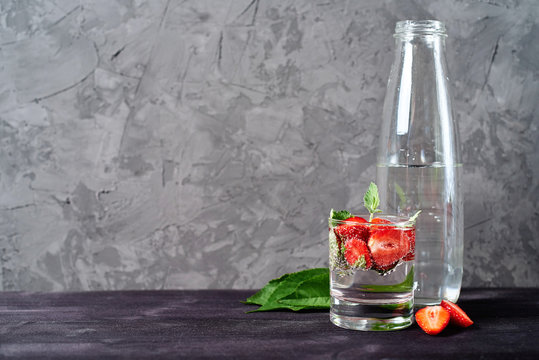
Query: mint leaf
x,y
282,286
265,293
296,287
311,303
338,215
310,294
404,286
371,200
414,217
401,195
360,262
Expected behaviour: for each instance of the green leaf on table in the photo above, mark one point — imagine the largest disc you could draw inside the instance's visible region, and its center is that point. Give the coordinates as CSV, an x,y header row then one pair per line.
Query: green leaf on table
x,y
312,293
262,296
285,284
306,284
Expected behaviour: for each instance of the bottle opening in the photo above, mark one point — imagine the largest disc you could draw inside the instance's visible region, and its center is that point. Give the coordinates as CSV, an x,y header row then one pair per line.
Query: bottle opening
x,y
420,27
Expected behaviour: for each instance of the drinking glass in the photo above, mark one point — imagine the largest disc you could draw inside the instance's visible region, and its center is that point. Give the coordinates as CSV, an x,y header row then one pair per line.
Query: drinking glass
x,y
372,272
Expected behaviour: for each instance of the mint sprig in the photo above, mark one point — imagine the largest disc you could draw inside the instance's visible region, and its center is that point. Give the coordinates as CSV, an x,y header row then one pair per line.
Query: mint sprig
x,y
414,217
371,200
339,216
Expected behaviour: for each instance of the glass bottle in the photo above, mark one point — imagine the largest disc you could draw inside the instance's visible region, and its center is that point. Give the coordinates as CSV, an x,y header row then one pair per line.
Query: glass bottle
x,y
418,161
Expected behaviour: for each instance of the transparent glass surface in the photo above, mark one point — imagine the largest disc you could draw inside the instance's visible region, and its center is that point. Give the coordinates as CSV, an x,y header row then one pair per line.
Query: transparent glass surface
x,y
366,295
418,161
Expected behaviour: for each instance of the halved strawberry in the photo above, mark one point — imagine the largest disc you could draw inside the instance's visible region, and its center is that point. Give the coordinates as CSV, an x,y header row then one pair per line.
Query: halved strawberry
x,y
356,219
379,221
354,227
388,246
357,253
458,316
411,239
432,319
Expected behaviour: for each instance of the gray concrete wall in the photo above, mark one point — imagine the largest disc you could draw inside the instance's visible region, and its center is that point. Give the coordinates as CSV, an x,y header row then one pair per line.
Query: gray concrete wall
x,y
201,144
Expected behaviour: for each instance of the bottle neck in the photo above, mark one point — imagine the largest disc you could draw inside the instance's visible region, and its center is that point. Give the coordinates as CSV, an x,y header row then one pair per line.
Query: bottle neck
x,y
417,109
423,53
429,34
420,43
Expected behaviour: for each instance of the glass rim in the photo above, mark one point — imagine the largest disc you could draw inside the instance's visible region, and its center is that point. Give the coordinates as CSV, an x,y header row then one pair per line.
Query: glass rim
x,y
402,221
419,27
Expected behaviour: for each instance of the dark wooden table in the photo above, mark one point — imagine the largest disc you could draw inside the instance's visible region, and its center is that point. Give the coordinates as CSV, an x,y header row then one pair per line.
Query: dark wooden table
x,y
213,324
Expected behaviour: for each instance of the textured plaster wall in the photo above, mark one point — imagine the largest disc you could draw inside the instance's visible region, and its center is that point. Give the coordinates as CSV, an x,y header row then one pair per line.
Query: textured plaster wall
x,y
201,144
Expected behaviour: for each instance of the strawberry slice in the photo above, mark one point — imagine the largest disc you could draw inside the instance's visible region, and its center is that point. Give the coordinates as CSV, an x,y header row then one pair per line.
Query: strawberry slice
x,y
432,319
388,246
357,253
354,227
409,233
355,220
411,239
458,316
379,221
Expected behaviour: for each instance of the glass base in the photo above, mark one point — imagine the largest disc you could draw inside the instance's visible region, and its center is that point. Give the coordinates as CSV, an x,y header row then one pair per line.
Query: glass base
x,y
371,324
372,316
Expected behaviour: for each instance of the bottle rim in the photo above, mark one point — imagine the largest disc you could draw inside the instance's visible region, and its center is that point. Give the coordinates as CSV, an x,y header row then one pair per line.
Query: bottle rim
x,y
419,27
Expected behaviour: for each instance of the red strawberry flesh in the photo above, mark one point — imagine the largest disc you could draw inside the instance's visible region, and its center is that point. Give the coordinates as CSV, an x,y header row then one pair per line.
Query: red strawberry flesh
x,y
354,227
380,221
387,246
458,316
356,219
354,250
432,319
383,222
411,238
